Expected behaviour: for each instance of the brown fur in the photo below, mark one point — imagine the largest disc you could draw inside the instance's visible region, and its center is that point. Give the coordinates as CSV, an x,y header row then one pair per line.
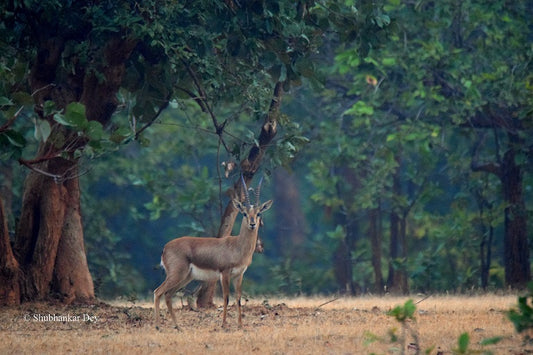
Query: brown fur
x,y
193,258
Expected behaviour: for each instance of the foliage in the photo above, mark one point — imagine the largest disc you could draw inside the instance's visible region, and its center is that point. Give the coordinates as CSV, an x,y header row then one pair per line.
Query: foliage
x,y
382,100
522,316
415,108
224,57
403,313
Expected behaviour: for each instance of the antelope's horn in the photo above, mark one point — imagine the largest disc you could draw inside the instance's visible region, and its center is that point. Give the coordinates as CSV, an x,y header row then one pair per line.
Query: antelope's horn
x,y
258,191
246,194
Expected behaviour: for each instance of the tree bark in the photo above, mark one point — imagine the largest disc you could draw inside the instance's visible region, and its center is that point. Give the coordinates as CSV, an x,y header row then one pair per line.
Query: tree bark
x,y
516,248
397,278
49,242
249,167
71,277
10,275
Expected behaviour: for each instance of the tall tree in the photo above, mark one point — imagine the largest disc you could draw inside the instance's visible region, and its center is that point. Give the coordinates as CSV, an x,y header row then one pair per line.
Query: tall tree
x,y
468,72
85,60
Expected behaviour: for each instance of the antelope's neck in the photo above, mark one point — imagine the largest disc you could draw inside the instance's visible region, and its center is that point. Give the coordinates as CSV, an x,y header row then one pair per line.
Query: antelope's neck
x,y
248,237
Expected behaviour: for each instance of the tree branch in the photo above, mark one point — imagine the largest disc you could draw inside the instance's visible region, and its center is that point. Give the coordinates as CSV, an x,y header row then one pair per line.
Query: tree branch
x,y
9,122
154,118
219,128
268,131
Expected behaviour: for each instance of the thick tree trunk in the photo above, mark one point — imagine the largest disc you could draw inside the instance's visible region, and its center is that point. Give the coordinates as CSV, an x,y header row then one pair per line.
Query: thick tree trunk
x,y
51,226
10,275
49,243
249,167
72,279
516,248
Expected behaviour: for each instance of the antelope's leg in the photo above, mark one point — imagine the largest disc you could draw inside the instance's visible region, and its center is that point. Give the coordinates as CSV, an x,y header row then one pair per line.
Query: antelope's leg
x,y
237,283
224,282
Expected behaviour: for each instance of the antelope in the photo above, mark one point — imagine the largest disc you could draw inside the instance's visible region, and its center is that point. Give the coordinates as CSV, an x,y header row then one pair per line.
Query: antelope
x,y
208,259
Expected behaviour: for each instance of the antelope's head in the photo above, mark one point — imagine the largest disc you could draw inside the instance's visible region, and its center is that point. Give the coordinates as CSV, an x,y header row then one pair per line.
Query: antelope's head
x,y
251,212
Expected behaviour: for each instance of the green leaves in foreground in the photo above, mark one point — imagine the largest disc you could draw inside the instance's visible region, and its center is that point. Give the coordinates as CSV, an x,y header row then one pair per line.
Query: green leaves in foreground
x,y
522,317
402,313
463,343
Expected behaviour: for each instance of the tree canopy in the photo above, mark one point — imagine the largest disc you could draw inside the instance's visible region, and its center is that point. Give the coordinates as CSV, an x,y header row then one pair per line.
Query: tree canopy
x,y
405,129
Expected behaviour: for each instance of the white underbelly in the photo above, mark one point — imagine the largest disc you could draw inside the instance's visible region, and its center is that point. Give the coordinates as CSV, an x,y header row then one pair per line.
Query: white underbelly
x,y
212,275
204,274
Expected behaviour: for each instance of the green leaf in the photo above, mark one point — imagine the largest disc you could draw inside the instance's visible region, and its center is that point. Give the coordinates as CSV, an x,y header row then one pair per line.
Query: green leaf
x,y
402,313
15,138
95,131
49,108
75,113
4,101
338,234
360,108
42,130
22,98
462,343
491,341
389,62
61,119
74,116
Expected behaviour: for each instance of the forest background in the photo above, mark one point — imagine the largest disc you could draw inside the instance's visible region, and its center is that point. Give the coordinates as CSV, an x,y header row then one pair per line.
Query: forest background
x,y
400,161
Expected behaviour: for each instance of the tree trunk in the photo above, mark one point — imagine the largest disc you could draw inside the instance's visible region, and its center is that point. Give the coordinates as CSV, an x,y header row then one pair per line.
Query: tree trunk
x,y
6,189
343,269
249,167
485,246
72,278
403,280
10,275
49,243
397,279
375,241
516,248
50,226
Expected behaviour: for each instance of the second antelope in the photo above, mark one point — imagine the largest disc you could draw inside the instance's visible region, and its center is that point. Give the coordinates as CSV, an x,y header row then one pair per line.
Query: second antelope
x,y
208,259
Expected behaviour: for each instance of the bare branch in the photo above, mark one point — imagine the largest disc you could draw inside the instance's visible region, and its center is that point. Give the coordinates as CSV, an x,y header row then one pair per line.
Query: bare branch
x,y
154,117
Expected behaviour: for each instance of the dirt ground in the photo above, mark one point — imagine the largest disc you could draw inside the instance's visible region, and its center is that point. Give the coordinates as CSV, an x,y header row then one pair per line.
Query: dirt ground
x,y
273,326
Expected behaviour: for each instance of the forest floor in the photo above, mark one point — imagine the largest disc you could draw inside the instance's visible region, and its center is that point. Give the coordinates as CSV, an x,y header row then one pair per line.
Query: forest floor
x,y
358,325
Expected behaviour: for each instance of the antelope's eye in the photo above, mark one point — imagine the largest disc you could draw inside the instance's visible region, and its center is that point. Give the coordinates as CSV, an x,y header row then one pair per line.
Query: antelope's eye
x,y
259,215
245,214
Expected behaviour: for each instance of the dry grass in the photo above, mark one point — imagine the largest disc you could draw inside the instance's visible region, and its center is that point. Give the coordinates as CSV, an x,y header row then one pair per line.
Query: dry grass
x,y
277,326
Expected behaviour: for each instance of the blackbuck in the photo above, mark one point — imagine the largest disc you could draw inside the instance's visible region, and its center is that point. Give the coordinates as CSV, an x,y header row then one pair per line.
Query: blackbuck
x,y
208,259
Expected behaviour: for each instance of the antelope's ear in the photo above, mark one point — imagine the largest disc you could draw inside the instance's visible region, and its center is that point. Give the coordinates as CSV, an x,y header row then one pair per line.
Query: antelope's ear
x,y
238,205
265,206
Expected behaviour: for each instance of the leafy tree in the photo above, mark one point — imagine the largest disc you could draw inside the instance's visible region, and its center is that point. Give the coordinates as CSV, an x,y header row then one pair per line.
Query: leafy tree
x,y
424,114
78,63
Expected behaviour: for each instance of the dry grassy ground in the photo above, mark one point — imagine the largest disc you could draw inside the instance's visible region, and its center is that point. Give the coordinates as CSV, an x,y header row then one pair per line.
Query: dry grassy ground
x,y
292,326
